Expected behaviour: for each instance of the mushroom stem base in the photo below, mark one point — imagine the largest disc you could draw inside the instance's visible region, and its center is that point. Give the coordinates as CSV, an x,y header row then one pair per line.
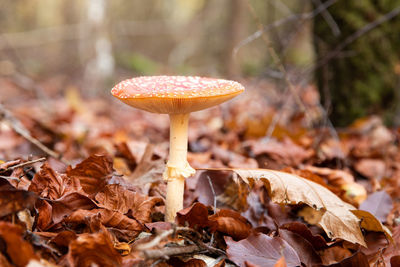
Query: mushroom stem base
x,y
174,198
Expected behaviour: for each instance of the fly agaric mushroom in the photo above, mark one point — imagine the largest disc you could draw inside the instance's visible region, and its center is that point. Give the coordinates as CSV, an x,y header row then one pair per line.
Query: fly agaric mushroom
x,y
176,96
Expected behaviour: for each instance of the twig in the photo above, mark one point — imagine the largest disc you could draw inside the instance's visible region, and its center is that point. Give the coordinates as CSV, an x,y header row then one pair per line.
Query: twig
x,y
200,243
280,65
9,178
23,164
170,251
213,192
294,17
329,19
17,126
215,204
355,36
155,241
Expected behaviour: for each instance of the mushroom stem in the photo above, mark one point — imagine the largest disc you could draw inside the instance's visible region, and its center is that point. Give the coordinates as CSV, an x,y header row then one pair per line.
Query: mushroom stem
x,y
177,168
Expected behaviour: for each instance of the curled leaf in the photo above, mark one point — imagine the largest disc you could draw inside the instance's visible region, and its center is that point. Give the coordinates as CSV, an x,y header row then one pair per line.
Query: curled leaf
x,y
337,219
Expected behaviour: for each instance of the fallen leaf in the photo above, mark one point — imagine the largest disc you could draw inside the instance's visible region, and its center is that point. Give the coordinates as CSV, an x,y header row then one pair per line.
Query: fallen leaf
x,y
371,168
64,238
187,263
261,250
195,216
286,151
54,212
230,223
337,221
115,197
301,229
335,177
378,204
50,184
92,173
308,256
281,262
108,218
93,250
334,254
358,259
12,201
18,251
371,223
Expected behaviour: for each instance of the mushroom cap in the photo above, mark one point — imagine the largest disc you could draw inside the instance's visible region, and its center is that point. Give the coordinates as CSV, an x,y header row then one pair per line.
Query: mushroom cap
x,y
175,94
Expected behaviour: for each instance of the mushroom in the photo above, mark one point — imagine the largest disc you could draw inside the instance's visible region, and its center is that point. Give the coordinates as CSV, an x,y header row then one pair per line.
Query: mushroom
x,y
176,96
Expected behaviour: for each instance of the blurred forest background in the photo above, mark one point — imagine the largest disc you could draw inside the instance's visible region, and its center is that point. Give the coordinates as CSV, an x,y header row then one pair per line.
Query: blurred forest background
x,y
349,50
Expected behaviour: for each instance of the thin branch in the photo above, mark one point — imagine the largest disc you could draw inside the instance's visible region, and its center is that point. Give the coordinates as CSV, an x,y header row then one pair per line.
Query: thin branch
x,y
23,164
155,241
388,16
166,252
278,23
277,61
329,19
16,125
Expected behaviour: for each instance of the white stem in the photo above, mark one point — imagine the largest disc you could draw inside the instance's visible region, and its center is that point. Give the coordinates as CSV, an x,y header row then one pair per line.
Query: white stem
x,y
177,167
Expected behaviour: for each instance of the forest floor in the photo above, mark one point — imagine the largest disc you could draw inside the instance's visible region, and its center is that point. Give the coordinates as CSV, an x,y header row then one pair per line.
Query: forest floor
x,y
81,184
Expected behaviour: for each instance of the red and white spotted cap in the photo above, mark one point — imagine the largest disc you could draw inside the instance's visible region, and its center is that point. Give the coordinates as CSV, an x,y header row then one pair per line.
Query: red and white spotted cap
x,y
175,94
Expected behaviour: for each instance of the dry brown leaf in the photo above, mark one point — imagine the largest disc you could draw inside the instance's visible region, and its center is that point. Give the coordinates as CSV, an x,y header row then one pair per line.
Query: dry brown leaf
x,y
378,204
18,251
261,250
12,201
301,229
54,211
338,221
358,259
50,184
281,262
230,223
93,250
308,256
196,216
115,197
92,173
108,218
371,223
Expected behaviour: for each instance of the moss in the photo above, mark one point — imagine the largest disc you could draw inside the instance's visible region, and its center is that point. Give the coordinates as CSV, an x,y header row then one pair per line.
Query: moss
x,y
362,79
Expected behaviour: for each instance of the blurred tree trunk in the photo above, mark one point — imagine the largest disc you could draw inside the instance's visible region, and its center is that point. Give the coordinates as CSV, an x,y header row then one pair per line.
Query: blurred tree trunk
x,y
360,79
100,66
236,23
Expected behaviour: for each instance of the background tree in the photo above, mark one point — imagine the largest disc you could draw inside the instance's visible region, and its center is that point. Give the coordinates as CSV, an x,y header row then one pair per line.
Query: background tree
x,y
361,78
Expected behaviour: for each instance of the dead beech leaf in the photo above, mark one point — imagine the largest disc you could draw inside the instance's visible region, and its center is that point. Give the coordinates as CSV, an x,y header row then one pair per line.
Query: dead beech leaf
x,y
338,221
301,229
378,204
51,212
261,250
108,218
371,223
50,184
281,262
308,256
12,201
358,259
115,197
92,173
64,238
18,251
196,216
93,250
231,223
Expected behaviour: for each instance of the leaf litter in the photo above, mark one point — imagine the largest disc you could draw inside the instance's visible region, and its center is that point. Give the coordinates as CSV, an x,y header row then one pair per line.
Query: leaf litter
x,y
297,197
